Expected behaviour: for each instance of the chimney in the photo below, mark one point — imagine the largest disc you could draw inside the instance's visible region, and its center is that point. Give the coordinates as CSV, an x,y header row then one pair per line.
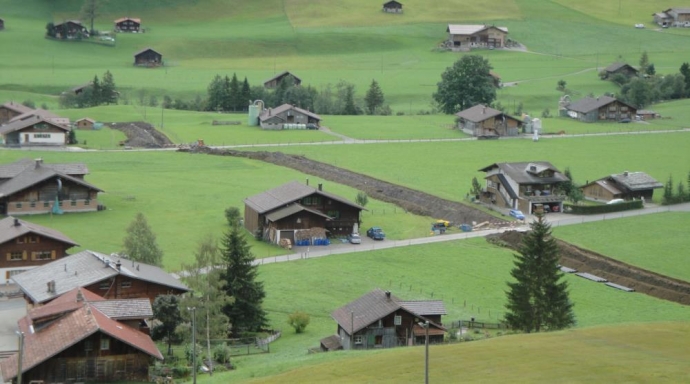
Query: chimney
x,y
320,187
80,296
39,161
626,173
16,222
137,267
118,265
307,181
388,295
269,111
484,111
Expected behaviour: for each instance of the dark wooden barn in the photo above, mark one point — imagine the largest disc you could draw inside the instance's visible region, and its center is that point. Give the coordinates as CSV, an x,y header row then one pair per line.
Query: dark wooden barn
x,y
393,7
148,57
127,24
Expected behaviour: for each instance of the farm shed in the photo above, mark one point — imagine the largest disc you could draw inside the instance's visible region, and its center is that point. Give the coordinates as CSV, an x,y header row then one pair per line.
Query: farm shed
x,y
644,114
282,211
392,7
148,57
604,108
70,29
82,337
275,80
523,185
127,24
626,70
84,123
626,185
380,320
465,37
25,245
2,24
276,118
483,121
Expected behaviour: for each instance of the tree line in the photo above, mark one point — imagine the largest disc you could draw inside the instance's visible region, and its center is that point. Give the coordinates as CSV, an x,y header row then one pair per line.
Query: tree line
x,y
97,92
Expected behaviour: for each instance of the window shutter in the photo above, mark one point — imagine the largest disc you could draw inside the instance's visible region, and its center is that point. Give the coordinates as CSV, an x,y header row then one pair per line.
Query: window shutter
x,y
24,256
9,256
52,255
33,255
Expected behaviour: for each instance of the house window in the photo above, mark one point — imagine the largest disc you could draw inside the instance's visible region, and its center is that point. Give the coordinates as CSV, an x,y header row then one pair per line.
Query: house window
x,y
19,205
88,345
104,285
126,284
46,204
16,256
311,200
397,320
41,255
334,214
87,202
21,240
60,203
16,272
32,204
358,340
73,203
105,343
378,340
33,239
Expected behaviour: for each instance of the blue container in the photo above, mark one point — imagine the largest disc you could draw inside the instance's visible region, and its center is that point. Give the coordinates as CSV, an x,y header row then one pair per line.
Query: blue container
x,y
466,228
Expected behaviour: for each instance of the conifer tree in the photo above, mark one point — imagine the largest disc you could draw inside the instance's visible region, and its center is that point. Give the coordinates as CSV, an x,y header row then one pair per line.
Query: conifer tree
x,y
537,299
245,313
374,98
235,94
108,90
140,243
96,92
226,102
245,94
215,94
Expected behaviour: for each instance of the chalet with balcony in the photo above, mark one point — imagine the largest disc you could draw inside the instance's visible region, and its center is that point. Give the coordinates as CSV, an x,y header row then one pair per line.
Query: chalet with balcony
x,y
275,80
392,7
70,29
486,122
111,277
292,207
127,24
25,245
381,320
466,37
673,17
603,108
82,337
32,187
626,185
524,186
277,118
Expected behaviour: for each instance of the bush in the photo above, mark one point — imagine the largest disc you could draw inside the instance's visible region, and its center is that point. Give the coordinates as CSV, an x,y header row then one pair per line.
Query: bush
x,y
605,208
221,353
299,321
181,371
232,215
29,103
362,199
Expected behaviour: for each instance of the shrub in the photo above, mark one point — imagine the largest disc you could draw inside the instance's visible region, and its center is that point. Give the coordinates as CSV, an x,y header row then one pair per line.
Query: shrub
x,y
298,320
232,215
362,199
181,371
221,353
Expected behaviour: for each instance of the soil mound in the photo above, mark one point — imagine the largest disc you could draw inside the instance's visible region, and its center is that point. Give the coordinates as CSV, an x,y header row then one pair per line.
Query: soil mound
x,y
141,134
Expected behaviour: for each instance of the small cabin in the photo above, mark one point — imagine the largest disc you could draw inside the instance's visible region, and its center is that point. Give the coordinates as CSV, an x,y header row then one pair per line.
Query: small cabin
x,y
128,24
148,57
392,7
2,24
84,123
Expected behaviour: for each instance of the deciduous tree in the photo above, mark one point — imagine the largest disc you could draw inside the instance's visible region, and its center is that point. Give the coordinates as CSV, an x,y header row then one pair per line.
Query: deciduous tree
x,y
140,243
537,298
465,84
166,309
91,10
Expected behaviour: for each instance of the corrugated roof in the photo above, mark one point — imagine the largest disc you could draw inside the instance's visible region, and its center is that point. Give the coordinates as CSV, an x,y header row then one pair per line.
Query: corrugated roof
x,y
589,104
33,176
284,108
291,210
635,181
287,194
8,171
480,112
471,29
519,172
122,309
10,231
283,74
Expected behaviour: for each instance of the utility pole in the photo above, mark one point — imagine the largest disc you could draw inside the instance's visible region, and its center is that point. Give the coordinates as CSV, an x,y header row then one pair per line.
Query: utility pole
x,y
193,309
21,356
352,330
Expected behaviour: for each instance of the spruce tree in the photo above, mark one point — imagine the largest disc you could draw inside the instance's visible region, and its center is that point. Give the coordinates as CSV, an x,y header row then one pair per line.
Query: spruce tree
x,y
226,102
245,313
235,96
215,94
374,98
537,299
96,92
108,90
245,94
140,243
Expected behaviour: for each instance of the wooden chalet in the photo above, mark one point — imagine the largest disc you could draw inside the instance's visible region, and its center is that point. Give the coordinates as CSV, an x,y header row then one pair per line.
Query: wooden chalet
x,y
673,17
84,123
603,108
289,208
626,185
381,320
109,276
10,110
276,118
70,29
35,128
32,186
25,245
2,24
466,37
81,88
148,57
624,69
392,7
82,337
275,80
524,186
127,24
486,122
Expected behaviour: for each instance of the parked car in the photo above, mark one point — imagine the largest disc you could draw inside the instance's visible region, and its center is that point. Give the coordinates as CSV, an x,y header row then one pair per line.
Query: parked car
x,y
376,233
517,214
615,201
624,121
312,126
354,238
639,26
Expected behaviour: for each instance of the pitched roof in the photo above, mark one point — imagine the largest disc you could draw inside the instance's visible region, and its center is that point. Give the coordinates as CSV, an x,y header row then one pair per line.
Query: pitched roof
x,y
86,268
589,104
521,174
679,10
19,124
635,181
127,18
144,50
8,171
33,176
42,113
71,320
616,66
377,304
425,307
123,309
287,194
9,230
283,74
268,113
392,2
480,112
291,210
603,183
471,29
86,119
19,108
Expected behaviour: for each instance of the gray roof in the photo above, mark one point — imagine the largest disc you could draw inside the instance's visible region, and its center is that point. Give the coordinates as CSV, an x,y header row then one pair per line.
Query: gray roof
x,y
287,194
33,176
8,171
471,29
19,124
332,343
375,305
604,184
139,52
268,113
86,268
10,231
123,309
589,104
19,108
291,210
480,112
616,66
635,181
42,113
521,174
282,74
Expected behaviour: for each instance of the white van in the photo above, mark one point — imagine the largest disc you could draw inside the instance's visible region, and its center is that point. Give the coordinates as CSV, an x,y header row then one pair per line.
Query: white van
x,y
616,201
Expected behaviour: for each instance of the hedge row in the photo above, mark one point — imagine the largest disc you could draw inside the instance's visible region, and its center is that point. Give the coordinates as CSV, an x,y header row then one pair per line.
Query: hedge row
x,y
604,208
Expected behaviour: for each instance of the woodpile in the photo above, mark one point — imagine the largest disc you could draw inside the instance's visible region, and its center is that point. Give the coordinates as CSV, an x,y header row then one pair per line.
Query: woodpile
x,y
311,233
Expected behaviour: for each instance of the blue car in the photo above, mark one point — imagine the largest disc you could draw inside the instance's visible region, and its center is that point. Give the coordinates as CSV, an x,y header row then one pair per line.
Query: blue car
x,y
517,214
376,233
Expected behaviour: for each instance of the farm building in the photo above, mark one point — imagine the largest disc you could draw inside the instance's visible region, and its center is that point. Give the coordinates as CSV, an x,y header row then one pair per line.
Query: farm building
x,y
466,37
2,24
82,337
280,212
276,118
33,187
524,186
127,24
673,17
25,245
34,129
275,80
626,70
604,108
381,320
483,121
10,110
81,88
108,276
392,7
644,114
497,79
84,123
70,29
626,185
148,57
